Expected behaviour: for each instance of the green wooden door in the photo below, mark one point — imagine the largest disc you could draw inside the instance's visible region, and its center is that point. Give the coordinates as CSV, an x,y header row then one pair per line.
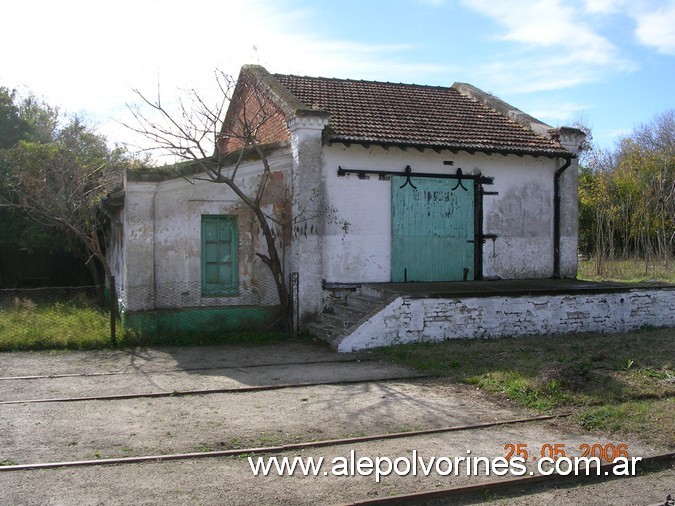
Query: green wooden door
x,y
432,225
220,267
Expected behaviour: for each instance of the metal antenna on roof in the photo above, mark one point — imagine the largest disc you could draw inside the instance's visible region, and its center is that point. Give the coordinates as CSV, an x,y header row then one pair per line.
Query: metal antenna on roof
x,y
158,91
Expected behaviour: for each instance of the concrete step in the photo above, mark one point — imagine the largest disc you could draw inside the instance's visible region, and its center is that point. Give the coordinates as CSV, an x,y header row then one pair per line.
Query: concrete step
x,y
348,311
340,321
335,326
373,292
363,302
325,332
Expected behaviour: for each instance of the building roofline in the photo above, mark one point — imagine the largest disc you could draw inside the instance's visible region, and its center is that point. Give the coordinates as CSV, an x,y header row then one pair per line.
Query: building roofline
x,y
504,108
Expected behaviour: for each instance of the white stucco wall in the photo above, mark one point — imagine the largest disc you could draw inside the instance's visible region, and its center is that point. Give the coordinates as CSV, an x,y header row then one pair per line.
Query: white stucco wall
x,y
308,201
162,222
162,240
407,320
521,215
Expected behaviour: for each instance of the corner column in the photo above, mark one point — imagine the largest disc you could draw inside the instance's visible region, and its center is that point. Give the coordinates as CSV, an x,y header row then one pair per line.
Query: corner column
x,y
571,139
308,210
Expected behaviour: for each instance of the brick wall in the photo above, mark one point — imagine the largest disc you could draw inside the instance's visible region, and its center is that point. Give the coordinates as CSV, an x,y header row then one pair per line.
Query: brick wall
x,y
254,109
408,320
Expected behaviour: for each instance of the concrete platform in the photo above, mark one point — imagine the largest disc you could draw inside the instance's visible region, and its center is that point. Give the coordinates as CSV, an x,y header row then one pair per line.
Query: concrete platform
x,y
512,287
417,312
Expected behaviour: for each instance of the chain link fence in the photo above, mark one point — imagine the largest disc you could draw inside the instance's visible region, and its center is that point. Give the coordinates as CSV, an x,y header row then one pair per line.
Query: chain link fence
x,y
62,317
159,313
174,309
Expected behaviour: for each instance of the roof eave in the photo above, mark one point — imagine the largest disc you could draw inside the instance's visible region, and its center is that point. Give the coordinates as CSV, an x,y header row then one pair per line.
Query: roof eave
x,y
562,153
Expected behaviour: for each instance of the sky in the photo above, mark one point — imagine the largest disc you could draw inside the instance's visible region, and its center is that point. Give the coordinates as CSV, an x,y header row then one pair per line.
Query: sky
x,y
607,63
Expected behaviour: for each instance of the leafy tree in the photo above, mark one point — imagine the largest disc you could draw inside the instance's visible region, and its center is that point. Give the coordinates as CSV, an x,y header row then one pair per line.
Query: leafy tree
x,y
13,127
627,196
56,174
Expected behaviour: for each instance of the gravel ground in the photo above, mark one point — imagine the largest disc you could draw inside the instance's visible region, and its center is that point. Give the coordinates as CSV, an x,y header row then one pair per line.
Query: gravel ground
x,y
379,403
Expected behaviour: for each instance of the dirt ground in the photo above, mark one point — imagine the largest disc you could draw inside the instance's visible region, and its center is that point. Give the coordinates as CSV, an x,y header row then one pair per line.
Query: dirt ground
x,y
382,398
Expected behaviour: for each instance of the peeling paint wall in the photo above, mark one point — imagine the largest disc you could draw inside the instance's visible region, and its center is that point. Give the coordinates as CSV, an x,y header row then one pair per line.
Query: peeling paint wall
x,y
521,215
309,193
162,239
522,218
407,320
161,221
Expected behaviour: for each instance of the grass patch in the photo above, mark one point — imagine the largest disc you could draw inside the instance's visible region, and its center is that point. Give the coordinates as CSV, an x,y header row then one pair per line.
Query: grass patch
x,y
25,325
631,271
80,324
622,383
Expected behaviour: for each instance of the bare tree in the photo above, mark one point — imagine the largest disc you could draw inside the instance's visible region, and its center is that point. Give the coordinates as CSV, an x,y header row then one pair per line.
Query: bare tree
x,y
195,131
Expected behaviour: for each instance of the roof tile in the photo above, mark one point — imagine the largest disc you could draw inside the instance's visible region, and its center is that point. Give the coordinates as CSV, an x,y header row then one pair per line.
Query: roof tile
x,y
414,115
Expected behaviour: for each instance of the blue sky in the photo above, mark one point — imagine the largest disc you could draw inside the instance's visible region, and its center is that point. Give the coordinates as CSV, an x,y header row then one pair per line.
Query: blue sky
x,y
610,63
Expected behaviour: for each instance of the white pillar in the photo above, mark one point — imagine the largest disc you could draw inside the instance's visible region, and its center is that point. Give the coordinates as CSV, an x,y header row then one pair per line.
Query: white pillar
x,y
308,209
571,139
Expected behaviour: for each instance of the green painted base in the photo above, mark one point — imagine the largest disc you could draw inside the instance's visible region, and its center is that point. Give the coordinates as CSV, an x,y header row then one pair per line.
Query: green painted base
x,y
199,320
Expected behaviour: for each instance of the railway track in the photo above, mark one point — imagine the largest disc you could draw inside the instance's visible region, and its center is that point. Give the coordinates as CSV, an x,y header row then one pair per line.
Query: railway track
x,y
499,486
204,391
274,449
420,496
178,370
656,461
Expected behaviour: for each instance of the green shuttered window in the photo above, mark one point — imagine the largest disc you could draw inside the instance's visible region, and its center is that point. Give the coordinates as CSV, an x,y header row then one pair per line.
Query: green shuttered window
x,y
220,267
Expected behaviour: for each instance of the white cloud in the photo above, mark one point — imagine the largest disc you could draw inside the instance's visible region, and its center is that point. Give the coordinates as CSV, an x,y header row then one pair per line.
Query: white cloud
x,y
556,48
557,113
654,19
433,3
88,56
543,23
657,29
605,6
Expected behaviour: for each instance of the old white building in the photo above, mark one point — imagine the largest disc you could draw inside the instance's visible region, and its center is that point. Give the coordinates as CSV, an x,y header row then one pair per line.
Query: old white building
x,y
378,182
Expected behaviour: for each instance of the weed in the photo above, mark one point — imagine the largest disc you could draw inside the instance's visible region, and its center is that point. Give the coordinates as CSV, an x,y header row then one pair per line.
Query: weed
x,y
244,456
8,462
234,441
613,382
265,440
632,270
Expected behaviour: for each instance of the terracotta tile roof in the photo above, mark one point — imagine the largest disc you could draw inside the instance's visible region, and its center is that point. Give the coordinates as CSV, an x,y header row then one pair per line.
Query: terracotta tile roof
x,y
382,113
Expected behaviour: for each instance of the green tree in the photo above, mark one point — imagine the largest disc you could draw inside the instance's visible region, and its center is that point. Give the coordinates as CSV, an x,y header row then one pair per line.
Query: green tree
x,y
13,127
627,196
56,174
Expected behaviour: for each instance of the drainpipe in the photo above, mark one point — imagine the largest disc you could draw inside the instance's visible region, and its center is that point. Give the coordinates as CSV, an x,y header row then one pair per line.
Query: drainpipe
x,y
557,217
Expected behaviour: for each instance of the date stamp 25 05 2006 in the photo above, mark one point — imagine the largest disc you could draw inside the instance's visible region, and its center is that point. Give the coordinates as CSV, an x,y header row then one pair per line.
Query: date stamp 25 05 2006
x,y
607,452
553,457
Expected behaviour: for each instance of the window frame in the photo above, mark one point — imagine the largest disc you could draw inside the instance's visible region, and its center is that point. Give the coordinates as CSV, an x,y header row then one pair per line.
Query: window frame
x,y
220,288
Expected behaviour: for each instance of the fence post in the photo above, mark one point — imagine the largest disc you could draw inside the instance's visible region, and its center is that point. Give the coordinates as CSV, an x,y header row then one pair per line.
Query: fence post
x,y
113,309
295,284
